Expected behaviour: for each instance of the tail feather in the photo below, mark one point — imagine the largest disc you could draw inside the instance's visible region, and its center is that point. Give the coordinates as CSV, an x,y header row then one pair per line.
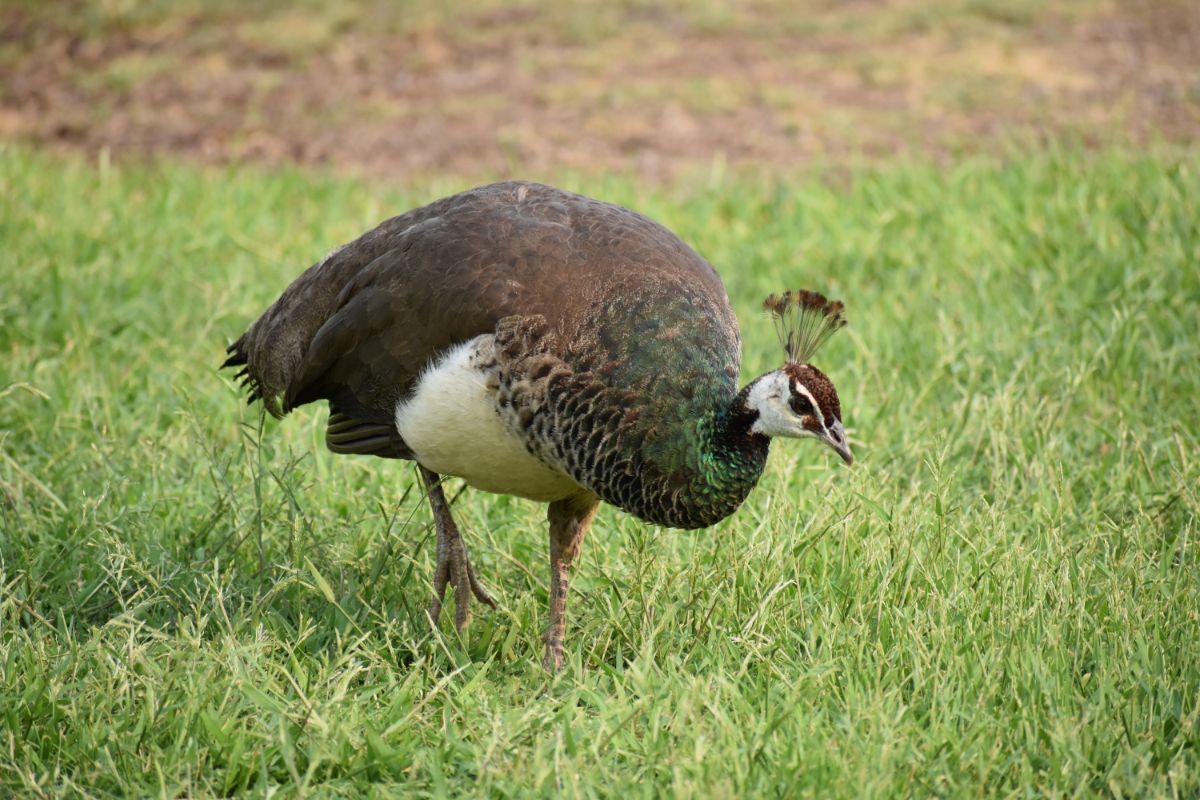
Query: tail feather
x,y
273,349
237,357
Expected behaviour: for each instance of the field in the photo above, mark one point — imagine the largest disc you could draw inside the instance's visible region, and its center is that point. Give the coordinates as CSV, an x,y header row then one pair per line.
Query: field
x,y
423,88
999,598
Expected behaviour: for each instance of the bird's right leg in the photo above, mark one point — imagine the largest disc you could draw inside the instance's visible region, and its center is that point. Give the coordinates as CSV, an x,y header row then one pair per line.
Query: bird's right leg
x,y
569,521
453,565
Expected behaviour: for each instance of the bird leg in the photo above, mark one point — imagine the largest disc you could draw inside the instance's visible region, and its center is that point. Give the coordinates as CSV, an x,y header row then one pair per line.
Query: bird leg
x,y
453,565
569,521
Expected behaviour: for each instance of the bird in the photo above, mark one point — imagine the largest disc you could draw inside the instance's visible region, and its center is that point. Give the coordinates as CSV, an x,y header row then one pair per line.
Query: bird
x,y
541,344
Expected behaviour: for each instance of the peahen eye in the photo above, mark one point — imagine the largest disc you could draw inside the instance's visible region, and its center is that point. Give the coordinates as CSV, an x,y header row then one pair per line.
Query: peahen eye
x,y
801,405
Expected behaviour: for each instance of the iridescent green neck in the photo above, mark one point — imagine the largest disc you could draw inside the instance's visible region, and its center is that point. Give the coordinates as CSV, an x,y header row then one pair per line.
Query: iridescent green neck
x,y
723,465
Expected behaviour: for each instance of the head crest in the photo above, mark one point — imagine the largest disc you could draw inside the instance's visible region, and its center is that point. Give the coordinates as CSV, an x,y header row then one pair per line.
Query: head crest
x,y
804,320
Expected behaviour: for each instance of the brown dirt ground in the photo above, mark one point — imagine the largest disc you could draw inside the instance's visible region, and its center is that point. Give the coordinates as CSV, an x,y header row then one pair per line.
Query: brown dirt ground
x,y
635,86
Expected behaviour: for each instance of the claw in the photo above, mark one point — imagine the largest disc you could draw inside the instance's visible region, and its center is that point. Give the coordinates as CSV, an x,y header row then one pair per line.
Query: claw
x,y
453,565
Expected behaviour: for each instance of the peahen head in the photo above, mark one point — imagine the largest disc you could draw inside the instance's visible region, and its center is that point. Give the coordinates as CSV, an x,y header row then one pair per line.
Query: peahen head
x,y
798,399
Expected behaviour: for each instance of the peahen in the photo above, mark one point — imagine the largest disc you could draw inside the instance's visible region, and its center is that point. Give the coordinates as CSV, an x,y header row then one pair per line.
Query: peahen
x,y
545,345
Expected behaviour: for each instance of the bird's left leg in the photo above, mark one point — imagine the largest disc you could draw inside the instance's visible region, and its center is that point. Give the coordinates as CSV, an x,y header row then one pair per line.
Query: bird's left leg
x,y
569,521
453,565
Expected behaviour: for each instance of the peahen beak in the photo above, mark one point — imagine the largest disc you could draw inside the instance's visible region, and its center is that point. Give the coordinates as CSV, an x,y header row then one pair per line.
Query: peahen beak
x,y
836,439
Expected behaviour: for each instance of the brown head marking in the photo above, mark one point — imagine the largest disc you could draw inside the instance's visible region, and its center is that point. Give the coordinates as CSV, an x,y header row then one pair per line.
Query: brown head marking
x,y
819,386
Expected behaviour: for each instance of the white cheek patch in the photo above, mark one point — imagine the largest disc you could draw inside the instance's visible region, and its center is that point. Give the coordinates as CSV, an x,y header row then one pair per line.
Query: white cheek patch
x,y
766,423
766,397
769,397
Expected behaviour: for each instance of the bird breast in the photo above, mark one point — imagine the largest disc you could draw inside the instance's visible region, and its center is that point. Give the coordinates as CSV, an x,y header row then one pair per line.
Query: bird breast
x,y
453,426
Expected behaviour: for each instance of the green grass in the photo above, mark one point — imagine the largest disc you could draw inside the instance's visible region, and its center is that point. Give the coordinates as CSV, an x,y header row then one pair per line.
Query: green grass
x,y
1000,598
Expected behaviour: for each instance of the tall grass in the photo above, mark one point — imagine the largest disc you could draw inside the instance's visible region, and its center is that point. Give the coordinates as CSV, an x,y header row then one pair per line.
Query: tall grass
x,y
1000,598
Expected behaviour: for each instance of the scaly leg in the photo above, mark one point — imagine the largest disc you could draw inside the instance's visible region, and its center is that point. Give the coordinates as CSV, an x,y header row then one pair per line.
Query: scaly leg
x,y
453,565
569,521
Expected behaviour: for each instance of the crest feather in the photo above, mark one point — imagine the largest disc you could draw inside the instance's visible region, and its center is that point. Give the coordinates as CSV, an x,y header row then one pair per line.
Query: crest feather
x,y
804,321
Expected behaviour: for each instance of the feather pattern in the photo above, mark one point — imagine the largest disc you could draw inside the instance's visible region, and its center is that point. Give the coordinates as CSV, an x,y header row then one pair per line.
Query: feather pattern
x,y
617,350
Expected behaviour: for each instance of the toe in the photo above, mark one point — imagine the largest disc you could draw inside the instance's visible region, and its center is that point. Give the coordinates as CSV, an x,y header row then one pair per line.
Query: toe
x,y
482,596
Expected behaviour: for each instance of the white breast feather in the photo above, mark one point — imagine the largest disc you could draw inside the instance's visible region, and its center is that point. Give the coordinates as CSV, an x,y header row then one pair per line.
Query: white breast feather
x,y
451,425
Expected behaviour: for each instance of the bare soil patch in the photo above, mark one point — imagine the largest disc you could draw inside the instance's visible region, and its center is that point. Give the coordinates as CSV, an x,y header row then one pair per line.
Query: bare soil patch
x,y
650,88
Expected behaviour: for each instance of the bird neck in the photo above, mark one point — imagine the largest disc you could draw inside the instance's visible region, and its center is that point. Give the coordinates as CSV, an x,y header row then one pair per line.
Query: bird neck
x,y
727,464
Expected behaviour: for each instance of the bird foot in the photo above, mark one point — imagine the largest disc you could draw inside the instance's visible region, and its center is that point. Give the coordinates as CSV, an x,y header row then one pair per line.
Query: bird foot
x,y
454,569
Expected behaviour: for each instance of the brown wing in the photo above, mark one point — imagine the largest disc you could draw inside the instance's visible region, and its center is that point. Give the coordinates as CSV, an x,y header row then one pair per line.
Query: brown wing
x,y
358,328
